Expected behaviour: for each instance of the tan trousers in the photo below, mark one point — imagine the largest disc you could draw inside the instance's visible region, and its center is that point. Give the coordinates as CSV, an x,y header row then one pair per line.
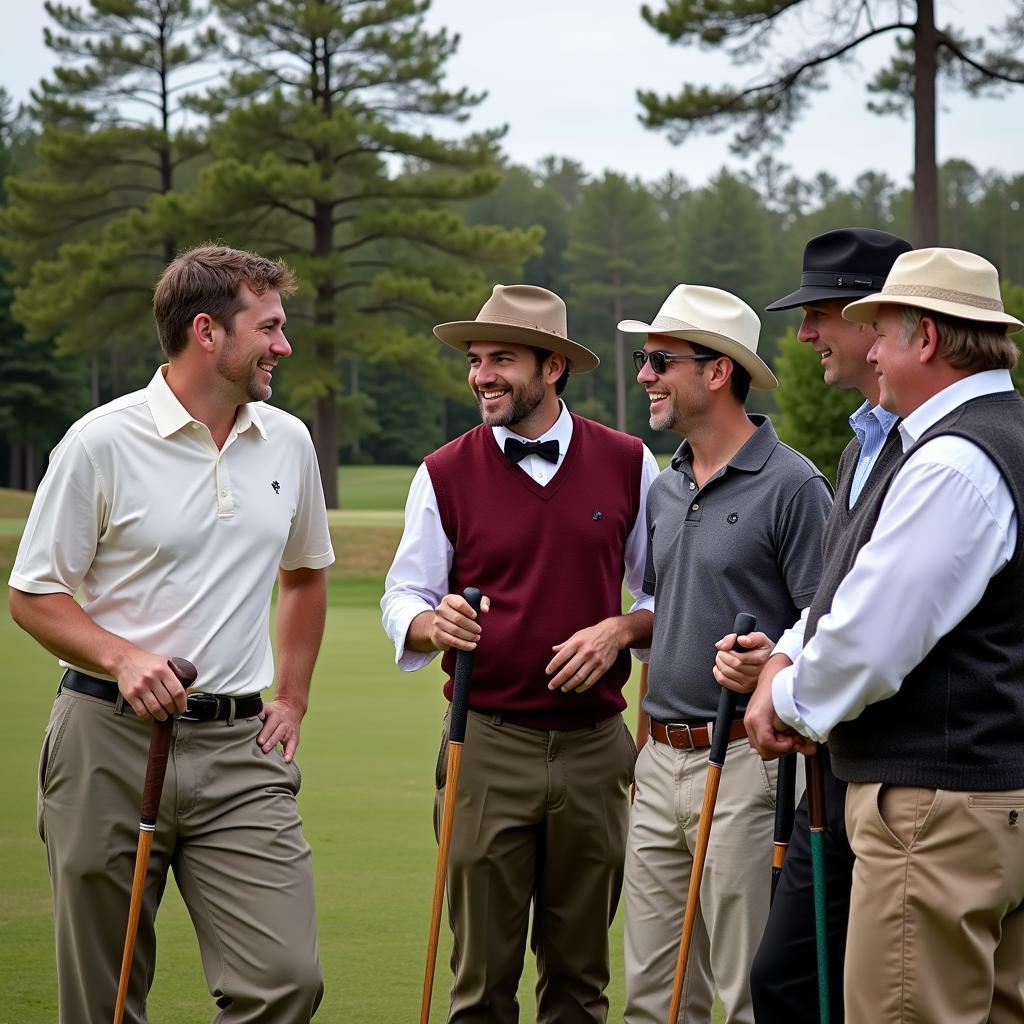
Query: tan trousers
x,y
229,829
936,916
734,890
540,818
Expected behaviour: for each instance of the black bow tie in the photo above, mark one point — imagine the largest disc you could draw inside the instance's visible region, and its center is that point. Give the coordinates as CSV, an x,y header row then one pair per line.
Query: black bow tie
x,y
516,451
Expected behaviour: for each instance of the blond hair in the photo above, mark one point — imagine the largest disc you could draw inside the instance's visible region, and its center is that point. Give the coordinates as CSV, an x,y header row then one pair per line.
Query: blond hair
x,y
965,344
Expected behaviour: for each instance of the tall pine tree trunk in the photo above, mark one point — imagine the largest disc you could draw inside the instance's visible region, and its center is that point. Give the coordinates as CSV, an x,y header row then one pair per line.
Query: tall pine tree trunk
x,y
620,366
325,412
925,225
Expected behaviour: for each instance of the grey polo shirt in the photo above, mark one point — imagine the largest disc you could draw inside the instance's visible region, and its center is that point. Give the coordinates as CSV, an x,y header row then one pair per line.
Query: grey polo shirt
x,y
749,540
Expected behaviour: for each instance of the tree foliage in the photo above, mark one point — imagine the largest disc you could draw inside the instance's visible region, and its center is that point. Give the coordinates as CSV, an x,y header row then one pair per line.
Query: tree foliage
x,y
87,230
758,36
320,156
813,417
619,258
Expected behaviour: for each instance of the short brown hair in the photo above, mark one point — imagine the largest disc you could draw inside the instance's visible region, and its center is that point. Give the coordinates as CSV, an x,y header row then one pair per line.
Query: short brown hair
x,y
965,344
209,279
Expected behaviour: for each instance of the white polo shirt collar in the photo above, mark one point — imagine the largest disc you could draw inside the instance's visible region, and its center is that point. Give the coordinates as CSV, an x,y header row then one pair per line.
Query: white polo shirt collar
x,y
170,415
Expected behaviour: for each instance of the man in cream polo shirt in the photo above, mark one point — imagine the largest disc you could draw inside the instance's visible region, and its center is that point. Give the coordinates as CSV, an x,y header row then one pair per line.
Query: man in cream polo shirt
x,y
171,511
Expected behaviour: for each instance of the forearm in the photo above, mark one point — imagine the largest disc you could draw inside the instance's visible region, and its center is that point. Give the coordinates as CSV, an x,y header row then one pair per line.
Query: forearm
x,y
631,630
418,637
59,624
301,615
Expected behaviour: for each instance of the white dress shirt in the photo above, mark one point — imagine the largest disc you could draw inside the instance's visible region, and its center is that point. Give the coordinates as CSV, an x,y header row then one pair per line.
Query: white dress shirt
x,y
946,527
418,577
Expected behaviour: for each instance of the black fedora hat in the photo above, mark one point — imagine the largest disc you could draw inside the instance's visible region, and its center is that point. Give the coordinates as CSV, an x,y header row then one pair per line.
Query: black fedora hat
x,y
845,264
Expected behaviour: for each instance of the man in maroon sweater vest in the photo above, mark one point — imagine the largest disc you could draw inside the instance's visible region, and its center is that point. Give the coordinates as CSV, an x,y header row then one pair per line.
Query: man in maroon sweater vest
x,y
543,511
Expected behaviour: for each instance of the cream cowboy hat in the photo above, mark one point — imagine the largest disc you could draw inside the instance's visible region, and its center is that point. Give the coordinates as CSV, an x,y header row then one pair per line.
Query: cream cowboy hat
x,y
948,281
521,314
711,317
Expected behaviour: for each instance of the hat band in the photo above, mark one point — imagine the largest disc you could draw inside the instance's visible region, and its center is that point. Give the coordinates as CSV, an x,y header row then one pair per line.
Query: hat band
x,y
840,279
925,291
516,322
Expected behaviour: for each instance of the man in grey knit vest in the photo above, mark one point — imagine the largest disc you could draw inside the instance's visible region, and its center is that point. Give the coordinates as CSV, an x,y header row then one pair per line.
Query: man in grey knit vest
x,y
914,666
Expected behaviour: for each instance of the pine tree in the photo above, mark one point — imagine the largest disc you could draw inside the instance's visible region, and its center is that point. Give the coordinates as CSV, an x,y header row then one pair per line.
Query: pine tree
x,y
86,230
39,394
620,266
789,73
322,159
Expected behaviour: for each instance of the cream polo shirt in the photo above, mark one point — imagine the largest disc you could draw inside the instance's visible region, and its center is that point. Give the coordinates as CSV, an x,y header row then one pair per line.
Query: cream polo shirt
x,y
174,544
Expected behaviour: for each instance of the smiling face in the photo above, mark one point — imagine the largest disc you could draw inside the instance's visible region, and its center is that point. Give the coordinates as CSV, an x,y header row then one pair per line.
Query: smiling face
x,y
842,346
679,396
253,345
896,360
510,386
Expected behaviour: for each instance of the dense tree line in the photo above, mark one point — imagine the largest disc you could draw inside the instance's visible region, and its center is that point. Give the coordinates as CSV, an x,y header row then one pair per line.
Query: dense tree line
x,y
307,130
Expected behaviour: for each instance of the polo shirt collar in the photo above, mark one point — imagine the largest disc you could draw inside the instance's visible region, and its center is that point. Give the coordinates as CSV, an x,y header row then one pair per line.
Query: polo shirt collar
x,y
170,415
751,457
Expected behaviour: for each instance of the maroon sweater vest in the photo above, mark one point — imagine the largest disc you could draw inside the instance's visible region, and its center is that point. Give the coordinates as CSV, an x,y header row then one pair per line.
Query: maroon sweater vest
x,y
551,559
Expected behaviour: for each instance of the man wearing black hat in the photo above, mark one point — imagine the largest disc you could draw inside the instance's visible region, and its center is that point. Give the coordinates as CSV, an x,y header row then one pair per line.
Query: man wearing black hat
x,y
839,267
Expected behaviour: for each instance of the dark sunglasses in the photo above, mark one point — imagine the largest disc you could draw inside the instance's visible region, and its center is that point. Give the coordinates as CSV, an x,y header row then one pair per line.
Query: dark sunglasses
x,y
660,360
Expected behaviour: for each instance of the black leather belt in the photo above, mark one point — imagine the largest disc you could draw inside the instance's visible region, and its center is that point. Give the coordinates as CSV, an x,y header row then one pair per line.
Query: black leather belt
x,y
201,707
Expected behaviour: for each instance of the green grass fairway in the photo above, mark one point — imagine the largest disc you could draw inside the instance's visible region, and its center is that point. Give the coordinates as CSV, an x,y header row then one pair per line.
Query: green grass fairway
x,y
369,746
368,752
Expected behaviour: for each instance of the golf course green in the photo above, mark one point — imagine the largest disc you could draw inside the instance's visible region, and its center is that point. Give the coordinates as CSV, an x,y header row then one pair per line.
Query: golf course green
x,y
369,745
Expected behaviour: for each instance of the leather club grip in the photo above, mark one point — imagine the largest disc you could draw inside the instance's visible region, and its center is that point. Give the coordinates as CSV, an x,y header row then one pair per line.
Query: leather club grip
x,y
463,675
159,748
727,698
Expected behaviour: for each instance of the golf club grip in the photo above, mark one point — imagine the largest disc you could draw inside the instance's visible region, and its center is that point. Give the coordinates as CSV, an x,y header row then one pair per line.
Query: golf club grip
x,y
159,748
727,698
463,675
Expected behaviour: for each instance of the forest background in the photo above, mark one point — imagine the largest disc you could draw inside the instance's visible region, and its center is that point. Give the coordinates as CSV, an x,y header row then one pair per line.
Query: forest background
x,y
326,132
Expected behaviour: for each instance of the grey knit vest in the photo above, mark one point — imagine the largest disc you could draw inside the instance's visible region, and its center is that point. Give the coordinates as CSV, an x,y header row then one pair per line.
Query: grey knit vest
x,y
957,720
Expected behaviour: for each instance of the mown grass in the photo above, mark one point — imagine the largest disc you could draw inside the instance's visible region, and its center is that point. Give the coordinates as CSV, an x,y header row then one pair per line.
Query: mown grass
x,y
368,750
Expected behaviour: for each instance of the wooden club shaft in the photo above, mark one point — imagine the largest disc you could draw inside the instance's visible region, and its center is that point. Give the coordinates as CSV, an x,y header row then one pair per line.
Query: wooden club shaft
x,y
444,842
707,812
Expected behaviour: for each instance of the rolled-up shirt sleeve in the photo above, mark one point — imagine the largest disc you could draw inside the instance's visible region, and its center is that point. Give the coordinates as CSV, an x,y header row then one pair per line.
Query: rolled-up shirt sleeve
x,y
67,519
792,641
418,577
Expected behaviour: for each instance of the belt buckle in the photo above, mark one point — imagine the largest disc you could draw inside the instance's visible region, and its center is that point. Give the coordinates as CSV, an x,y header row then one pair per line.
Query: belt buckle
x,y
202,707
682,727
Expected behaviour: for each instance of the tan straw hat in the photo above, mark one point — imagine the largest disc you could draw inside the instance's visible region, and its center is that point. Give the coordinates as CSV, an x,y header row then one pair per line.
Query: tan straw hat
x,y
715,318
521,314
948,281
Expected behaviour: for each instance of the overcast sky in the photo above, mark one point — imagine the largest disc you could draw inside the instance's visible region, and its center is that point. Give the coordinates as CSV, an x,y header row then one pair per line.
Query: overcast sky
x,y
563,75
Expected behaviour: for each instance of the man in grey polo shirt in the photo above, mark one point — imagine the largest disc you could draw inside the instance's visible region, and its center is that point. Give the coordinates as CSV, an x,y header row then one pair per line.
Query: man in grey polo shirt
x,y
735,524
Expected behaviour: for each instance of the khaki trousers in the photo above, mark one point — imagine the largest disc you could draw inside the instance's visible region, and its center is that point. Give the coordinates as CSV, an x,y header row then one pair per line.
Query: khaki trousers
x,y
734,890
540,818
936,917
229,829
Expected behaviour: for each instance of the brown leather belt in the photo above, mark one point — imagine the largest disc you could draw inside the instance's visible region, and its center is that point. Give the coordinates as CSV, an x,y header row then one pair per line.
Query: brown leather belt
x,y
202,707
690,737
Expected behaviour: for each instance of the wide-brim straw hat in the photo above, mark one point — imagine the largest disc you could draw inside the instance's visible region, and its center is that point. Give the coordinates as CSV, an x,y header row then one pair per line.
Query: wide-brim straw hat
x,y
521,314
715,318
950,281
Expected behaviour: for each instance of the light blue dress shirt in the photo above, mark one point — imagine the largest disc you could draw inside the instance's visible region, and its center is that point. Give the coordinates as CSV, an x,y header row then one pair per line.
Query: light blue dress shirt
x,y
871,424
